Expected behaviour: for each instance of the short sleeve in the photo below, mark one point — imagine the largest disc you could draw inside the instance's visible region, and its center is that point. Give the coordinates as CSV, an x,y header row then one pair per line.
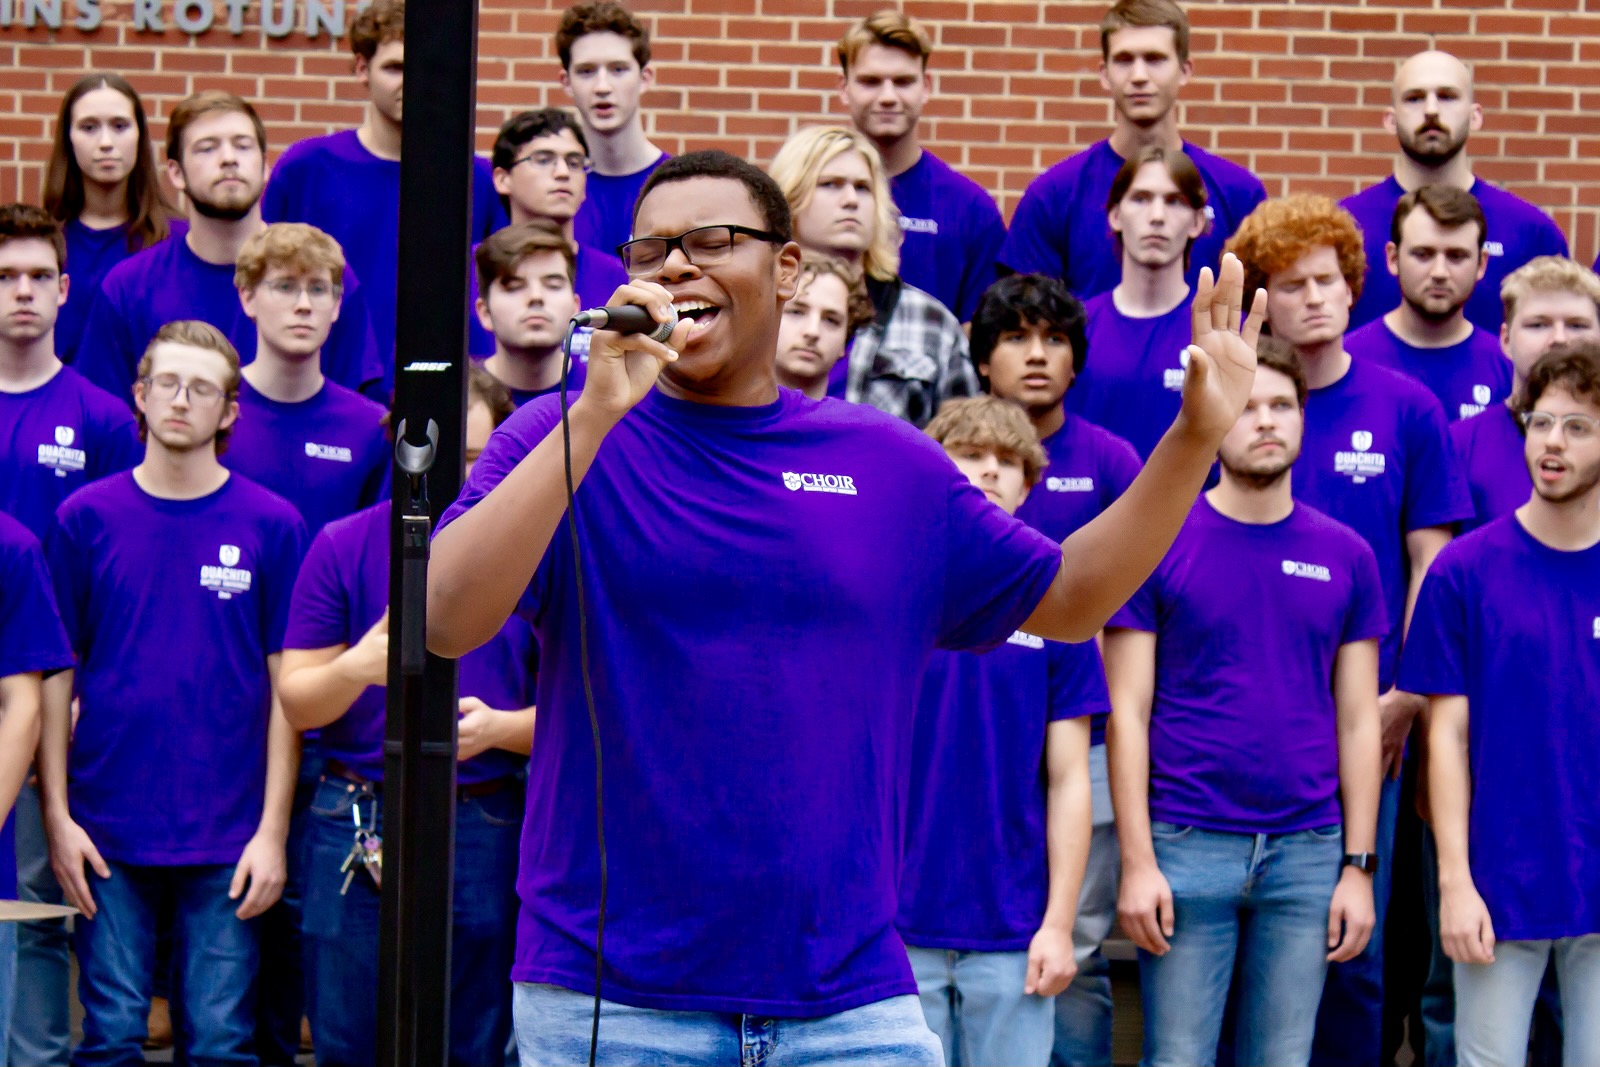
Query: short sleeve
x,y
1551,240
1077,681
986,234
1435,658
120,449
997,570
351,355
1121,466
1436,491
488,212
69,574
1139,613
1028,247
1368,617
32,637
286,541
377,484
319,609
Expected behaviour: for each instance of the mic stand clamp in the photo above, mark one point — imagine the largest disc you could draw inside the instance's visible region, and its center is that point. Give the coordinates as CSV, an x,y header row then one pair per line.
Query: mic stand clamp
x,y
415,461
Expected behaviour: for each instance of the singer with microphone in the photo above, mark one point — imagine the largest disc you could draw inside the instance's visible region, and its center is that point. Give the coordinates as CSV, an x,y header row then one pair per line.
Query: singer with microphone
x,y
763,579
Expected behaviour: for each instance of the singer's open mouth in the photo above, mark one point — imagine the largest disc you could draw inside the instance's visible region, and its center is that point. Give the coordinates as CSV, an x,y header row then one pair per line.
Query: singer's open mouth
x,y
701,313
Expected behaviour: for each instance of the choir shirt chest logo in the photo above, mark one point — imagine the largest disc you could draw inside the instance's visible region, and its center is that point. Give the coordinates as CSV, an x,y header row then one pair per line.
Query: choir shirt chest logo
x,y
1360,461
837,484
62,454
334,453
225,577
1172,377
1069,485
1597,627
1314,571
1481,395
1025,640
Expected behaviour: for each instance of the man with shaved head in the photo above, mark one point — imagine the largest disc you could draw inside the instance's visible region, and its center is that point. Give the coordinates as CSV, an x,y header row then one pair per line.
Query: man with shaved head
x,y
1432,115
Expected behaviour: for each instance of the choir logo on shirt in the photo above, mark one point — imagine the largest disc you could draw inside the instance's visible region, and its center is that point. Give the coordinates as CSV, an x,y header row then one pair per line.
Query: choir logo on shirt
x,y
337,453
61,457
1597,627
1172,377
1069,485
841,484
229,578
1315,571
1025,640
910,225
1480,400
1494,248
1360,463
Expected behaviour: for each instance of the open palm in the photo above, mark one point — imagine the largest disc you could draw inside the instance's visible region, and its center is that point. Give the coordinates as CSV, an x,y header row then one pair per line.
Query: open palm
x,y
1222,356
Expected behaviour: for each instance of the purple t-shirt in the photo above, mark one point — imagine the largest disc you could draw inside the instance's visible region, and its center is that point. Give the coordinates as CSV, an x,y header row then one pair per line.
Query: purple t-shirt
x,y
1466,377
605,218
1089,468
1518,231
57,438
751,750
976,875
328,456
336,185
596,277
1248,620
1060,227
173,607
951,232
1132,380
1377,457
90,254
1493,460
168,281
1514,625
342,590
31,639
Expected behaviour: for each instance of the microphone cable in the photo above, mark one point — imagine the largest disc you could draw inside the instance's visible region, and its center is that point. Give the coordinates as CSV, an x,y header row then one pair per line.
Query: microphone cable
x,y
588,690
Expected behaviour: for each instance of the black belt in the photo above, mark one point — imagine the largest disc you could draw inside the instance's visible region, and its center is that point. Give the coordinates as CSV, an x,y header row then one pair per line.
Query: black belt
x,y
338,769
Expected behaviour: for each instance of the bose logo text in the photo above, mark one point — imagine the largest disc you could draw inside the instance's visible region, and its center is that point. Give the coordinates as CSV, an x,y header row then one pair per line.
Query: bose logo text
x,y
1315,571
841,484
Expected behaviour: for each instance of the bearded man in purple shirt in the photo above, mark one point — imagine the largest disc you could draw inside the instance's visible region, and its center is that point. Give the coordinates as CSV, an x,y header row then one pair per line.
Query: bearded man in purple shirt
x,y
1435,250
703,482
1548,301
1244,750
1432,117
950,228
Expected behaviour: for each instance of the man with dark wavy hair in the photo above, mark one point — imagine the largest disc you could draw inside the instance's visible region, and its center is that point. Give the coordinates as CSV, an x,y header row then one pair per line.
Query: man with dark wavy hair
x,y
1377,458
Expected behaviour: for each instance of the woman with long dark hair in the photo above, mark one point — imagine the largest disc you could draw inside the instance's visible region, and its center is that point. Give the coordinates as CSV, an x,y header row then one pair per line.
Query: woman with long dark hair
x,y
102,185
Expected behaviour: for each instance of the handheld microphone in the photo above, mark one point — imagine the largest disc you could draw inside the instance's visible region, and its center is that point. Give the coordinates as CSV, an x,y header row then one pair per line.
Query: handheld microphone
x,y
627,318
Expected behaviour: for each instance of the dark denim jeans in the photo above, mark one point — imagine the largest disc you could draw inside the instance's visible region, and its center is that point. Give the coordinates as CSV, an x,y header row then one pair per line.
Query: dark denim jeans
x,y
281,1001
340,932
216,956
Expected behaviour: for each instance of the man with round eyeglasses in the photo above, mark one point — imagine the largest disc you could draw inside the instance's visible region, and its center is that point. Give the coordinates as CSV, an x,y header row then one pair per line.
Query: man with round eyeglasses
x,y
741,544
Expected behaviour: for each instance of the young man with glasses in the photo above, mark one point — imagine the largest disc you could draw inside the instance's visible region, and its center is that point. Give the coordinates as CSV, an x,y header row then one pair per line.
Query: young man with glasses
x,y
1506,643
216,156
318,445
167,800
541,171
712,506
347,184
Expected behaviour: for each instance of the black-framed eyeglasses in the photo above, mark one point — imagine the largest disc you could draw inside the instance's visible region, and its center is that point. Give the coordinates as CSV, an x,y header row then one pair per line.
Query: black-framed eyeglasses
x,y
167,386
702,246
1575,426
544,159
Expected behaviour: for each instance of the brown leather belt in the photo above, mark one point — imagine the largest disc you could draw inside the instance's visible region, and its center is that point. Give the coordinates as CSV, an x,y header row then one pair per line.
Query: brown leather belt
x,y
338,769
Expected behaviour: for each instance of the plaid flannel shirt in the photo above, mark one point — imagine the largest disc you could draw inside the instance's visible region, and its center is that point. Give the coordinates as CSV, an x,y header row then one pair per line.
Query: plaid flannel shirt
x,y
914,362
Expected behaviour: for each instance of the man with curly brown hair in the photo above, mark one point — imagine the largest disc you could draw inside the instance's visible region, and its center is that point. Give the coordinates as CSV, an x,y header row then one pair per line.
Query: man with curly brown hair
x,y
1377,457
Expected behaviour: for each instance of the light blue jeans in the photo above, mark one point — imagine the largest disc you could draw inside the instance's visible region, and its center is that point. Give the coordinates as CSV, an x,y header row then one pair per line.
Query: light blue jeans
x,y
1262,898
1083,1010
975,1006
8,979
553,1029
1494,1001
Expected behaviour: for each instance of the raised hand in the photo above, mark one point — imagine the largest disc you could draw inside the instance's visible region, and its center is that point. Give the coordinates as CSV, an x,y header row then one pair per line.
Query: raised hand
x,y
1222,357
624,367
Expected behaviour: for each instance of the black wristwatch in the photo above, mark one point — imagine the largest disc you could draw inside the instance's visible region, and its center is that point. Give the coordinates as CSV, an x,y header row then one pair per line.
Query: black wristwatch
x,y
1361,861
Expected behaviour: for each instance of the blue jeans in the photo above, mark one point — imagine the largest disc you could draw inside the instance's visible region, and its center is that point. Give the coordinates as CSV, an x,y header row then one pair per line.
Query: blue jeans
x,y
216,956
975,1006
8,979
553,1029
340,932
41,1024
1262,898
281,993
1350,1019
1083,1010
1494,1001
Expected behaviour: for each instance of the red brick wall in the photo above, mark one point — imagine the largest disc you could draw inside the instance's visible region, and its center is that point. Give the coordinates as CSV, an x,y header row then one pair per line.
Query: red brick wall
x,y
1293,90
